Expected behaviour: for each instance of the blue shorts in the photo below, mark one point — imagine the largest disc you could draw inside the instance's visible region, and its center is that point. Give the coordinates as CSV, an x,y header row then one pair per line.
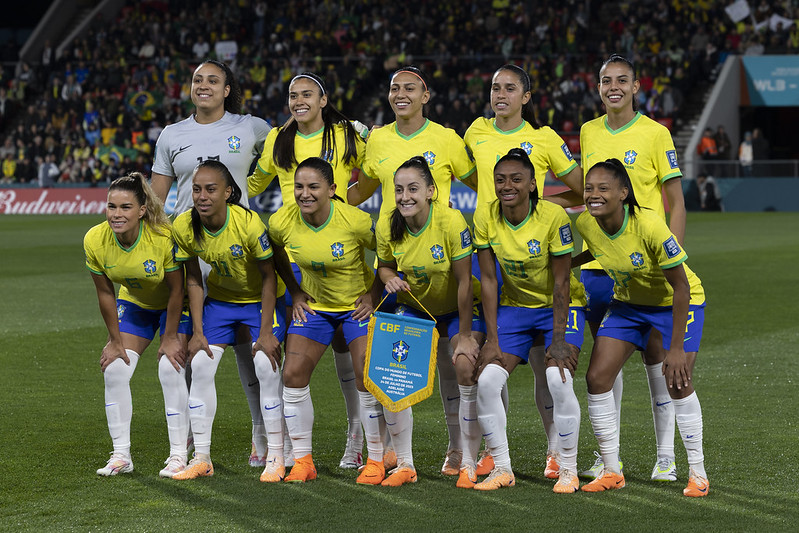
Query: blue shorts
x,y
142,322
298,276
221,320
634,323
476,273
599,290
321,326
451,321
518,327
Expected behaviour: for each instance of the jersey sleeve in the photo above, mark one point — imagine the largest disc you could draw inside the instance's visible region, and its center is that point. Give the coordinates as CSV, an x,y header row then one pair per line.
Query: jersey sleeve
x,y
560,157
561,241
366,231
383,236
265,168
182,234
162,163
369,155
481,227
258,238
89,247
666,156
460,157
260,130
170,265
664,244
277,227
460,238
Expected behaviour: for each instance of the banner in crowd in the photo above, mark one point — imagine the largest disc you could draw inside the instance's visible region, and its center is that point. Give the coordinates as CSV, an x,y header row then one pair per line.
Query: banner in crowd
x,y
56,201
771,81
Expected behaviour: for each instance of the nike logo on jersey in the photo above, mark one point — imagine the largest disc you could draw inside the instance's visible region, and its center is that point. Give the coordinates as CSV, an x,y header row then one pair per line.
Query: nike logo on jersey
x,y
292,247
109,267
479,143
589,155
184,148
380,161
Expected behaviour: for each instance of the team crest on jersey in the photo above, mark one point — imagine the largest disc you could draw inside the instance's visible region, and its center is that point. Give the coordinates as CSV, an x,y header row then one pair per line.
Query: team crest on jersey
x,y
637,259
149,266
671,156
466,238
430,157
400,351
534,246
234,143
264,241
565,234
237,251
337,249
629,157
437,251
567,152
527,147
671,247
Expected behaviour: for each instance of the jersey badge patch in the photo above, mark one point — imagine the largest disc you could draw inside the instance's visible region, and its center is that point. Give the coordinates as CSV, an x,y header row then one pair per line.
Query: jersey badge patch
x,y
534,246
234,143
430,157
636,259
237,251
337,249
567,152
629,157
149,266
400,351
437,251
566,234
466,238
671,155
527,147
671,247
264,241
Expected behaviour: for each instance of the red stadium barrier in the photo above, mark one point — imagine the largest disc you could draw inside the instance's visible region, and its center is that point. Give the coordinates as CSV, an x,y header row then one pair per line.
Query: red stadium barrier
x,y
66,201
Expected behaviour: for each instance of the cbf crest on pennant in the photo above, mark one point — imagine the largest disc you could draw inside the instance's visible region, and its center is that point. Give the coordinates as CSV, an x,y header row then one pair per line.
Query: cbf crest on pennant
x,y
400,359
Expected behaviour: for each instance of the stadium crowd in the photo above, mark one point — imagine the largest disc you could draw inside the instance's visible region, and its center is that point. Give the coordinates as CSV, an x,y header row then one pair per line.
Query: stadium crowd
x,y
94,112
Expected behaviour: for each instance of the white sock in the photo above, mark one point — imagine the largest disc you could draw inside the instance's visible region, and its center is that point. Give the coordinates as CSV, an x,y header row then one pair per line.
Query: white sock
x,y
346,378
374,424
618,389
118,401
602,412
566,416
202,397
271,403
689,421
450,393
543,398
491,414
662,410
176,405
469,425
400,425
252,391
298,410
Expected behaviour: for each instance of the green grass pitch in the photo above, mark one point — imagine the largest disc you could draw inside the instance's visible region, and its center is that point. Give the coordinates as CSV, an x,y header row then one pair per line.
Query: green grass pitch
x,y
53,434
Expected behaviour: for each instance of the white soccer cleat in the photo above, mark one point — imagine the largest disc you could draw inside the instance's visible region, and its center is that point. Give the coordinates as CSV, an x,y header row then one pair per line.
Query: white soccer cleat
x,y
174,464
118,463
665,470
353,453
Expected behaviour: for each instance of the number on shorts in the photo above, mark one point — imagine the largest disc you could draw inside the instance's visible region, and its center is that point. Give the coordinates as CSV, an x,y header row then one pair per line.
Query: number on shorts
x,y
690,320
571,321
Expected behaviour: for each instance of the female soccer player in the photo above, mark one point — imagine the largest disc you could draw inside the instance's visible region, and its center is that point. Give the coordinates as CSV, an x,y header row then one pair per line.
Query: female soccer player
x,y
432,245
215,131
134,248
241,292
327,240
648,153
532,241
316,128
515,126
653,290
410,135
